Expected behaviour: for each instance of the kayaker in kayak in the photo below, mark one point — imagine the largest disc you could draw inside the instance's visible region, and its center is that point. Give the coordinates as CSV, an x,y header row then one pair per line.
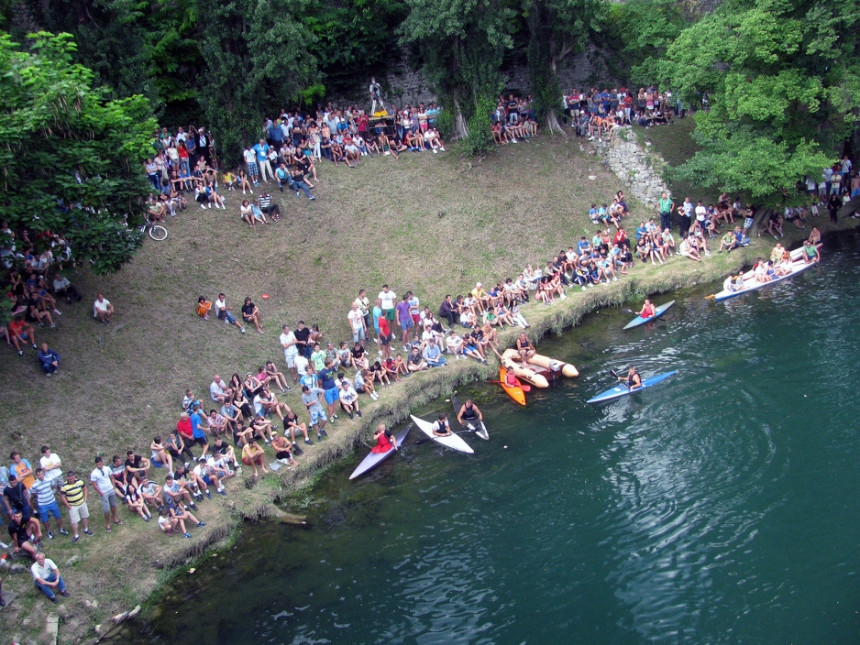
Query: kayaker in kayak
x,y
441,427
525,348
385,441
632,378
469,414
647,311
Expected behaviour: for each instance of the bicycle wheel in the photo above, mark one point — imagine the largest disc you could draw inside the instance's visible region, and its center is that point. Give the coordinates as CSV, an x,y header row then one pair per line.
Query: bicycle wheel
x,y
157,232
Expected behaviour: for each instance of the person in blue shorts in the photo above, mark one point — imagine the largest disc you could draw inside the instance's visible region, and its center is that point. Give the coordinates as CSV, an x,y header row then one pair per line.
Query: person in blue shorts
x,y
311,400
329,387
44,492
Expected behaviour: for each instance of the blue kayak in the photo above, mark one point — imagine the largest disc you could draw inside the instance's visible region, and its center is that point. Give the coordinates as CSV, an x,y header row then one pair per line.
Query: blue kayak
x,y
639,320
622,390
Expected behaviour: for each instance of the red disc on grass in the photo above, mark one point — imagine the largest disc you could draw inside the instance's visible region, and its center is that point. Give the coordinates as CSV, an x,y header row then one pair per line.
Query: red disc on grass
x,y
265,296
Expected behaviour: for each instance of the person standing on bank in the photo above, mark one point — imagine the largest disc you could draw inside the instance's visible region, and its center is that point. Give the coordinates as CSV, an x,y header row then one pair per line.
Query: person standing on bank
x,y
666,207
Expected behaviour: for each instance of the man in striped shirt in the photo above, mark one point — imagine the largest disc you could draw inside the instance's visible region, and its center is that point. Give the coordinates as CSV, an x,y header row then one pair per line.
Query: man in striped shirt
x,y
47,503
74,493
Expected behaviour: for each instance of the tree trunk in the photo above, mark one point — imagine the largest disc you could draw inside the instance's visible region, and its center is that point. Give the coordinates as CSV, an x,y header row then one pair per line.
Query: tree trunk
x,y
552,117
460,129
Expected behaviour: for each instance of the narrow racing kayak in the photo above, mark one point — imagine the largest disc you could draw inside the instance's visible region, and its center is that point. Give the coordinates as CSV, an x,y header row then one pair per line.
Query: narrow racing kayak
x,y
622,390
375,458
451,441
516,392
639,320
478,428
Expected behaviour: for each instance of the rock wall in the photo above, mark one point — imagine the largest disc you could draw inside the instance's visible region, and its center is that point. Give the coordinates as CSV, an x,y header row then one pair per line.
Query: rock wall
x,y
635,164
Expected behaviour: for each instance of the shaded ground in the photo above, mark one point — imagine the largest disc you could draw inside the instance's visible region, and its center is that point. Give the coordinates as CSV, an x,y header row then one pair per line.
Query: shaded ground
x,y
434,224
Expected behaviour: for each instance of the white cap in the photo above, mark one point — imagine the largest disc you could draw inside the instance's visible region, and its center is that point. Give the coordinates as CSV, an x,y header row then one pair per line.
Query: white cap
x,y
478,284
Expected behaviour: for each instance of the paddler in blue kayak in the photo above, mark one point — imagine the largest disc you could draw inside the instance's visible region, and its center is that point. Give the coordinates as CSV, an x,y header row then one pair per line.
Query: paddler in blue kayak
x,y
385,441
441,427
632,378
647,310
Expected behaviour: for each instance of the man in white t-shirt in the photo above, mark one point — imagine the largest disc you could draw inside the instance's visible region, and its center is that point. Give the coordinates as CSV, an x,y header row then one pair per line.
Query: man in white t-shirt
x,y
52,465
251,160
46,574
291,351
102,481
225,312
218,391
357,324
102,309
389,299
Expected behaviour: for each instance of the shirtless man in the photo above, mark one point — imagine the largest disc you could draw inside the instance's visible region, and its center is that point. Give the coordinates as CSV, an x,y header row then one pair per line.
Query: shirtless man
x,y
525,348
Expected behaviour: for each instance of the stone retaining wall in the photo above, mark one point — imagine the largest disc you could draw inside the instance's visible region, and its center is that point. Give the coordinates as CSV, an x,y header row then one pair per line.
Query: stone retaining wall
x,y
635,164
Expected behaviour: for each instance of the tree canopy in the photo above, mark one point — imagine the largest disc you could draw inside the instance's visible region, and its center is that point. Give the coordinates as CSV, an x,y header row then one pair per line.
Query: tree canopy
x,y
71,158
783,78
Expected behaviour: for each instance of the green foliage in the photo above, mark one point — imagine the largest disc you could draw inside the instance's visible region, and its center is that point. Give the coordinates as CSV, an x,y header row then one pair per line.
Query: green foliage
x,y
557,29
461,43
352,39
257,61
63,143
480,139
445,123
782,76
644,29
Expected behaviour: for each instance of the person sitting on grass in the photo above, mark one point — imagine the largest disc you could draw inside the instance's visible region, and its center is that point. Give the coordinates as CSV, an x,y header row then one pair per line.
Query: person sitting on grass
x,y
728,242
415,362
379,374
135,501
251,314
49,360
454,344
396,367
348,397
26,535
225,312
221,450
102,309
177,516
283,451
47,577
209,476
433,356
203,307
177,448
472,349
689,250
252,455
195,485
177,493
364,383
21,333
151,493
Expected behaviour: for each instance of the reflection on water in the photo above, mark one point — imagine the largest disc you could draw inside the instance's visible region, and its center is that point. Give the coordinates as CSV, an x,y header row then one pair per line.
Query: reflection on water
x,y
717,507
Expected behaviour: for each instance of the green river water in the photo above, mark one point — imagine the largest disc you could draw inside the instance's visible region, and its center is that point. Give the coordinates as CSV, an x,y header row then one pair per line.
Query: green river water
x,y
720,506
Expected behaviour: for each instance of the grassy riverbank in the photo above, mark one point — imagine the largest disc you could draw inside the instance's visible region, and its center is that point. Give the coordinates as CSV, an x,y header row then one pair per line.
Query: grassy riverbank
x,y
434,224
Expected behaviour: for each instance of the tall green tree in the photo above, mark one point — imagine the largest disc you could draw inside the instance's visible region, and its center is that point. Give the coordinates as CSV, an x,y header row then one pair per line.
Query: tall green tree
x,y
257,58
784,83
462,43
557,29
71,158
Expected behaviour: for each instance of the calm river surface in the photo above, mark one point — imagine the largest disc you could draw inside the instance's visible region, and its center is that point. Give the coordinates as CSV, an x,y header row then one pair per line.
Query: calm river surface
x,y
720,506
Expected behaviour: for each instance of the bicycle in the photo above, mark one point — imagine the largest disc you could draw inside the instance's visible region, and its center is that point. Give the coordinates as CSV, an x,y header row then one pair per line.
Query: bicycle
x,y
156,231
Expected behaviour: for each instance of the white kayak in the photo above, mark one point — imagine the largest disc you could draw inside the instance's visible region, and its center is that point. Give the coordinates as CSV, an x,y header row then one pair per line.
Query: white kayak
x,y
451,441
